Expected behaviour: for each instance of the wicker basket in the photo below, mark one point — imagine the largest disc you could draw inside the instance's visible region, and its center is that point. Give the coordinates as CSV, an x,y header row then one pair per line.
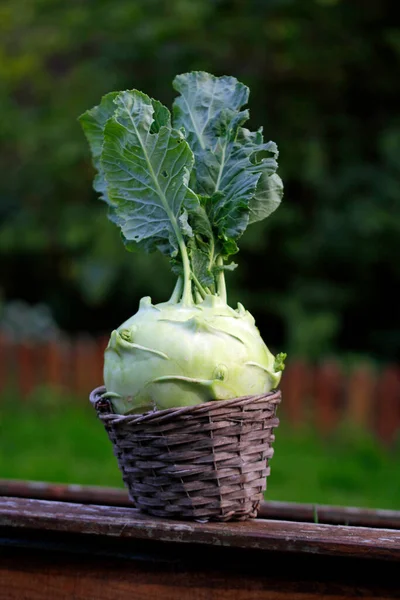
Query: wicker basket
x,y
207,462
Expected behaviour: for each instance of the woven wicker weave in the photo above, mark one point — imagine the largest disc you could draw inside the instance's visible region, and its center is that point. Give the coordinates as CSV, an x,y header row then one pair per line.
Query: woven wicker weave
x,y
204,462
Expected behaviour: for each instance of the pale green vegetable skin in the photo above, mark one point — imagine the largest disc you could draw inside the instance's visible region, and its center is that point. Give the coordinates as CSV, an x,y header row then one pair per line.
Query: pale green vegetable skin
x,y
187,185
167,356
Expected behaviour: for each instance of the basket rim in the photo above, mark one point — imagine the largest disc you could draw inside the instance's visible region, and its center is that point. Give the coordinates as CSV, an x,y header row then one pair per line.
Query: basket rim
x,y
274,397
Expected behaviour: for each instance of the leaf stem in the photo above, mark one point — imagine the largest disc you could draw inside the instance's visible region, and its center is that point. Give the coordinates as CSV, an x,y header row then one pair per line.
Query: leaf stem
x,y
221,287
221,168
198,297
177,292
212,252
199,287
187,298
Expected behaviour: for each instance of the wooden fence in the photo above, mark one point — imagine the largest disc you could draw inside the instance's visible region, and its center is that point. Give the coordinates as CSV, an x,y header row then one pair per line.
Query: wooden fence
x,y
322,394
52,541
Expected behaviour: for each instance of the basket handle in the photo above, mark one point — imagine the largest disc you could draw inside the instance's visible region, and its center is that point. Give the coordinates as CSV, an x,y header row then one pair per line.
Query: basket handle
x,y
100,404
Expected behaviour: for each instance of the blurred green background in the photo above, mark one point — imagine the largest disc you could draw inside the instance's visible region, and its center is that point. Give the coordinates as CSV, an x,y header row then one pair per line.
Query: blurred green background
x,y
59,439
320,276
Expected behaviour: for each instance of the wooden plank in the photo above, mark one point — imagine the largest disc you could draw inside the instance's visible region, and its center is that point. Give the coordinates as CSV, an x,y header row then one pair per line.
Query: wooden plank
x,y
260,534
65,493
331,515
41,575
62,550
286,511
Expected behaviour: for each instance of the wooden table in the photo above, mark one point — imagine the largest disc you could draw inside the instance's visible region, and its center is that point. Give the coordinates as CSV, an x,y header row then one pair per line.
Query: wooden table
x,y
85,543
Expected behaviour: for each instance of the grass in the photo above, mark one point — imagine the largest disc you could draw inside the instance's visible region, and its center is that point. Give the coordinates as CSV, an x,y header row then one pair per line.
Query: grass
x,y
56,439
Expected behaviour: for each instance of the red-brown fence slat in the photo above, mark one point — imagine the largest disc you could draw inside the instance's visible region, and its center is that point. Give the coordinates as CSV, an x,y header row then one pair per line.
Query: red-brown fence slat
x,y
366,398
26,354
56,362
387,405
296,388
328,387
5,347
102,342
361,389
85,365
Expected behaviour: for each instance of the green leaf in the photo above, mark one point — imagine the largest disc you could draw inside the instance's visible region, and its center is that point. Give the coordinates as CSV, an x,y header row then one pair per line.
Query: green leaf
x,y
200,220
188,191
204,247
161,116
279,364
202,244
93,122
267,198
229,215
230,160
202,105
200,263
231,267
184,224
147,173
208,109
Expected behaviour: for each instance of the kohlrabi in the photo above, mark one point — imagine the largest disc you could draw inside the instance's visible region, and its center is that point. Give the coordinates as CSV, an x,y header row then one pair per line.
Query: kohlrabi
x,y
187,186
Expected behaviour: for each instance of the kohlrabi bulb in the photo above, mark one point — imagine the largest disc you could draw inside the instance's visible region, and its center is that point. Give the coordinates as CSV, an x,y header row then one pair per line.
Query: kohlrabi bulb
x,y
169,355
